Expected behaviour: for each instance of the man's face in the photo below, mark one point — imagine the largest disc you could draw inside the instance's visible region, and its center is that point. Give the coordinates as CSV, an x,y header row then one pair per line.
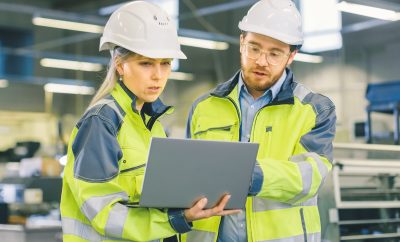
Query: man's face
x,y
258,73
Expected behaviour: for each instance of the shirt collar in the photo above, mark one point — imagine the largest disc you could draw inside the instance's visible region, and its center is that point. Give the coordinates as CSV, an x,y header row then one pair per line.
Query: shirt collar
x,y
274,89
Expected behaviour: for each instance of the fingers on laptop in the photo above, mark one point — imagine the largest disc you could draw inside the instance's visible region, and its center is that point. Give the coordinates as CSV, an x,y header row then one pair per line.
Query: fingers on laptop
x,y
198,212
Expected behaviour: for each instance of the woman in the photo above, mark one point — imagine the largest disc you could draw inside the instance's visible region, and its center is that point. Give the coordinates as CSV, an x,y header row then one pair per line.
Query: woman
x,y
108,147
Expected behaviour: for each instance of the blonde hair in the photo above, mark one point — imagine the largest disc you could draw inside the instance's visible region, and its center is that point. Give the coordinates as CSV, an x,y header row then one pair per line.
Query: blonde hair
x,y
118,55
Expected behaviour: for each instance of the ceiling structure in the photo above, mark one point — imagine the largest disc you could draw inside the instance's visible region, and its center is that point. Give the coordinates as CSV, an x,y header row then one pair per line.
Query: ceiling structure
x,y
23,44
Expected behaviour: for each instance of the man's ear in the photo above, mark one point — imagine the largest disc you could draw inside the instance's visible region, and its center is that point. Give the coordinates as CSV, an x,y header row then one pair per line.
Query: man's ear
x,y
241,42
291,57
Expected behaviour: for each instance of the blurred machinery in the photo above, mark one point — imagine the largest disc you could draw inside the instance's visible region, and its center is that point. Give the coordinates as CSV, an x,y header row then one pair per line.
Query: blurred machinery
x,y
383,98
360,200
19,151
30,191
30,209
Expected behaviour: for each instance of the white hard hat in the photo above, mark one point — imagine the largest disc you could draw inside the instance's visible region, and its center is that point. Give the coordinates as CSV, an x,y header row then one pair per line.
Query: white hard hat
x,y
143,28
278,19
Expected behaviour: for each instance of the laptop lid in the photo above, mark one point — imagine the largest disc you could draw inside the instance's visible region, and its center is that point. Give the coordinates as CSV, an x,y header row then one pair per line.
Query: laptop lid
x,y
181,171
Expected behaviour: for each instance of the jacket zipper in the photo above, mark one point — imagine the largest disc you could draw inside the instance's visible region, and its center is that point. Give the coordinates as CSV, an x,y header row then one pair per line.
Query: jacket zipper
x,y
273,103
239,118
153,119
237,110
132,168
303,224
234,104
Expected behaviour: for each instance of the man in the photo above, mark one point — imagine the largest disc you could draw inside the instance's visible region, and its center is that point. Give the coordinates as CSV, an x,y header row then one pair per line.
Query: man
x,y
295,127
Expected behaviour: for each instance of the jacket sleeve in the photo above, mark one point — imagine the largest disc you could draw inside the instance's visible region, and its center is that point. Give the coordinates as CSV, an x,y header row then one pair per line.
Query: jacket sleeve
x,y
299,178
95,155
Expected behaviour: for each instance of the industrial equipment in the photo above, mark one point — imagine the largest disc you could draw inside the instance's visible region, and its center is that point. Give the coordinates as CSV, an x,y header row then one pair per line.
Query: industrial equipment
x,y
360,200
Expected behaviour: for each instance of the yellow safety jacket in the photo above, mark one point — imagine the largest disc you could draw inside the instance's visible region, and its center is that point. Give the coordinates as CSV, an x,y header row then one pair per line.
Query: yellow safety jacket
x,y
107,154
295,133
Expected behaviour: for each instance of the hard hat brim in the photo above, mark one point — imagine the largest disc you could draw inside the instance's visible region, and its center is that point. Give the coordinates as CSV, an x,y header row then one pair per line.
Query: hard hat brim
x,y
273,34
160,54
151,53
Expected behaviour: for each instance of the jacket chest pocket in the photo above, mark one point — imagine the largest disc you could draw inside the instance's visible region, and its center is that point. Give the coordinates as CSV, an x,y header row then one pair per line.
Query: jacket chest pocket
x,y
131,173
214,129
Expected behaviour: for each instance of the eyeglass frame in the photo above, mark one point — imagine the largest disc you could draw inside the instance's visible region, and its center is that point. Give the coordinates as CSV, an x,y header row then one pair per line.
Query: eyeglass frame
x,y
266,52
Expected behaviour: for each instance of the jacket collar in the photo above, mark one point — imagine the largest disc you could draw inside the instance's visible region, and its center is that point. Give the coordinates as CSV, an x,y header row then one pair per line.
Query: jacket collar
x,y
153,109
285,95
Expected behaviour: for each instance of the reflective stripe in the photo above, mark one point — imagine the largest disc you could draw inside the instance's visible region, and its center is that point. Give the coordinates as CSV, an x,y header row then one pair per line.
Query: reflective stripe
x,y
116,220
316,237
323,170
84,231
305,169
198,235
301,92
261,204
92,206
111,104
310,202
307,178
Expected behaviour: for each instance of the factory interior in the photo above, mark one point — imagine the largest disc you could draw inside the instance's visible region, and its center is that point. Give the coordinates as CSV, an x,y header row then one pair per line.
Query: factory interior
x,y
49,72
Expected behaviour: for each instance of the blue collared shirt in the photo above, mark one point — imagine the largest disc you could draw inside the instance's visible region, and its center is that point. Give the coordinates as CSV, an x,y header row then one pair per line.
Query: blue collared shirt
x,y
233,227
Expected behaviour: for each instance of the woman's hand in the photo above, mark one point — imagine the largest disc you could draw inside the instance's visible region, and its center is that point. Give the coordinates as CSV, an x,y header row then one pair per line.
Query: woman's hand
x,y
198,212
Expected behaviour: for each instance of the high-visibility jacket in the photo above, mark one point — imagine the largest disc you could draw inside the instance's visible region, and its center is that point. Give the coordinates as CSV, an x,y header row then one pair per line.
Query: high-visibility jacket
x,y
107,154
295,133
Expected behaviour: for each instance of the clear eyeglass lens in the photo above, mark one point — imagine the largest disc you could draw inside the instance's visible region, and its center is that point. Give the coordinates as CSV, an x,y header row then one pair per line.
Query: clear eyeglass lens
x,y
272,57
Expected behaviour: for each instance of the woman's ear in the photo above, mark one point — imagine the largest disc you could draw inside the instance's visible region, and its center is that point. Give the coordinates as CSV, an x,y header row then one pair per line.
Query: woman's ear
x,y
120,68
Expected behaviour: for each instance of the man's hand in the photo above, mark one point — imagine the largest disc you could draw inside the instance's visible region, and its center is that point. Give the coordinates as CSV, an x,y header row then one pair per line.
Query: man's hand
x,y
198,212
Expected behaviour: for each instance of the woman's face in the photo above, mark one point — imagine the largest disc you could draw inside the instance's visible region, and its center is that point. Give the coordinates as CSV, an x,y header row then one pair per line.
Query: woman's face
x,y
145,77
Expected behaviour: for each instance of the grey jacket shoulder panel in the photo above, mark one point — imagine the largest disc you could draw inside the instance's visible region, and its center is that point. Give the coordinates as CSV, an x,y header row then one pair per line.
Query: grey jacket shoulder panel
x,y
96,148
306,96
320,138
108,109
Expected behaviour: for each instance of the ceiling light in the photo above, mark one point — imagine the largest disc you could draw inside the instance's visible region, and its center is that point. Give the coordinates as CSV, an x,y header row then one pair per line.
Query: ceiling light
x,y
321,25
181,76
202,43
3,83
70,65
308,58
322,42
372,12
170,6
69,89
63,24
93,28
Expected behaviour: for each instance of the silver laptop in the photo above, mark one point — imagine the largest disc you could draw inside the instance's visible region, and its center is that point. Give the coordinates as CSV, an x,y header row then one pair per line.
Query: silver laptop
x,y
181,171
